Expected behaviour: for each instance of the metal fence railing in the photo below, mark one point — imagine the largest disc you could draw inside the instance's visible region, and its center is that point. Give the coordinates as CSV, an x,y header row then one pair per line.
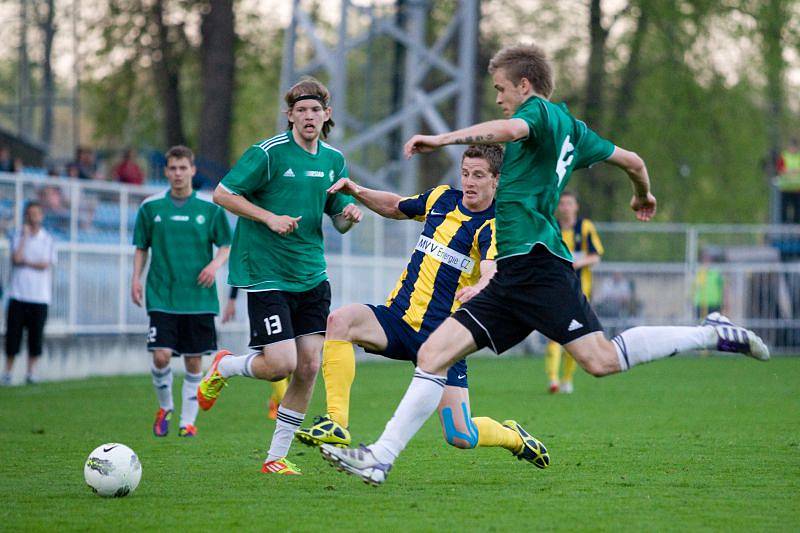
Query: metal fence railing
x,y
649,274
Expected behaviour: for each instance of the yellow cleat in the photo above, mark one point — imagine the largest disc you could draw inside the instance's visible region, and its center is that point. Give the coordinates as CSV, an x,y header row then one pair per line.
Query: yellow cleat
x,y
280,466
532,449
212,383
324,431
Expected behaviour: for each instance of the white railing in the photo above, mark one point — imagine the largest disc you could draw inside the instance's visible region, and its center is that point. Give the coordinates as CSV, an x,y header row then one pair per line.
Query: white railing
x,y
93,224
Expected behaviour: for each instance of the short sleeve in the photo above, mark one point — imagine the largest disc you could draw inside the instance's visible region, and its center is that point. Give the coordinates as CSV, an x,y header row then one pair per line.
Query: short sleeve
x,y
220,229
417,207
250,173
336,202
53,251
594,245
592,148
141,230
487,244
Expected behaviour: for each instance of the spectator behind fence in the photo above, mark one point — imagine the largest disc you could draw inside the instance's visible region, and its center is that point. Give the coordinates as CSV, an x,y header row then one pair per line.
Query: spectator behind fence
x,y
616,297
6,161
84,163
33,255
127,170
709,287
789,182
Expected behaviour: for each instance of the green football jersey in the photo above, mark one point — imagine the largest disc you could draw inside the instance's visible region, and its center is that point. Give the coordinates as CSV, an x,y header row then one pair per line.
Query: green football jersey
x,y
283,178
180,240
535,171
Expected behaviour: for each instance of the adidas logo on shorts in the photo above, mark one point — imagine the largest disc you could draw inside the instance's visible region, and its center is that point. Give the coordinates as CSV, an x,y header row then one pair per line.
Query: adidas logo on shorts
x,y
574,325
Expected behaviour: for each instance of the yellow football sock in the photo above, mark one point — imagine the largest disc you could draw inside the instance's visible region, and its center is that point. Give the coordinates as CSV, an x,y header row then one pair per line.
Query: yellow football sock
x,y
279,389
493,433
339,371
569,367
552,360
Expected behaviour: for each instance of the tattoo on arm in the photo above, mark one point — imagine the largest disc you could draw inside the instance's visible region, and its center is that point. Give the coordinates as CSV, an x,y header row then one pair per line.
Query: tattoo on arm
x,y
478,139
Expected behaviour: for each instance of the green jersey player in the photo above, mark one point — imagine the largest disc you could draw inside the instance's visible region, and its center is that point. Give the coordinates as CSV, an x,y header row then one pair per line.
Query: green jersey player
x,y
180,228
278,188
535,287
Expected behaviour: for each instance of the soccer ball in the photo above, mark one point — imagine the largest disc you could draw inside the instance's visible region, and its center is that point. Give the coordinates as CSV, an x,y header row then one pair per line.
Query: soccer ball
x,y
112,470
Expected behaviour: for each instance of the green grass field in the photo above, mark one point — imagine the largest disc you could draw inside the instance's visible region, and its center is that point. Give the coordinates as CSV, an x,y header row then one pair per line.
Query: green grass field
x,y
690,443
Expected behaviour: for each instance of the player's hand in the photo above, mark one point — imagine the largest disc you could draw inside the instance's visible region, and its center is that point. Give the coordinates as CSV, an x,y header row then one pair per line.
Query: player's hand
x,y
467,293
283,224
345,186
645,208
420,144
229,313
207,276
137,293
352,214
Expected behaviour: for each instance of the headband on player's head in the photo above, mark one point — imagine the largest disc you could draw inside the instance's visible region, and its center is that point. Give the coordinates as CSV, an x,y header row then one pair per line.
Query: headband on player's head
x,y
309,97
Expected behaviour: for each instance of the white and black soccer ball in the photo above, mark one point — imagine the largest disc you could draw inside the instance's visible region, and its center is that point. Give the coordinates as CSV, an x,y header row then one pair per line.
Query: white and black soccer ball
x,y
112,470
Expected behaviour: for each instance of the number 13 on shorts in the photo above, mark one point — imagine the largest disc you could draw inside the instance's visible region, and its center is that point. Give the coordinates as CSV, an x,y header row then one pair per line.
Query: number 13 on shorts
x,y
273,325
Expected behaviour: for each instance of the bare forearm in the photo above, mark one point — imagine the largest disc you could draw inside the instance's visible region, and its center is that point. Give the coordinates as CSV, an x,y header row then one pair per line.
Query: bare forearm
x,y
385,203
19,254
491,132
223,252
139,260
240,206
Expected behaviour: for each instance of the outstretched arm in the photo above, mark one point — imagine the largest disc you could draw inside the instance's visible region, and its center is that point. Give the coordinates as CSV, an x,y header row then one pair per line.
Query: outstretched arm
x,y
491,132
643,201
385,203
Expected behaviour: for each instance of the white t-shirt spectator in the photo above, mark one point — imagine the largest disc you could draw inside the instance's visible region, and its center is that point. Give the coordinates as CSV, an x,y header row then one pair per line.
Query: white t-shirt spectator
x,y
29,284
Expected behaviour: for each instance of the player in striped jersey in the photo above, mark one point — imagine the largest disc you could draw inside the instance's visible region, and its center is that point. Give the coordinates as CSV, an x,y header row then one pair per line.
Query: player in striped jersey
x,y
452,261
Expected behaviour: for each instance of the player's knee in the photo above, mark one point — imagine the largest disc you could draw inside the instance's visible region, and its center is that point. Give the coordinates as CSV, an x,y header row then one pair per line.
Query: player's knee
x,y
307,370
460,443
161,358
338,325
598,367
429,359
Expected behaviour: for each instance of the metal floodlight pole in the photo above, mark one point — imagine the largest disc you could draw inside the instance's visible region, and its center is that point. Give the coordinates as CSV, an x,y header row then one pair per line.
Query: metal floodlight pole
x,y
449,57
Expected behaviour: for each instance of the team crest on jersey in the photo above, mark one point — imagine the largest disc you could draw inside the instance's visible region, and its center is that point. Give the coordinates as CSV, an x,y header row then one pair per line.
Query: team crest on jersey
x,y
200,219
330,175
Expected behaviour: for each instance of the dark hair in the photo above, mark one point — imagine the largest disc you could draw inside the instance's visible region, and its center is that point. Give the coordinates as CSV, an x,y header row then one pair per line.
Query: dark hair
x,y
310,86
180,152
30,205
525,61
492,153
573,194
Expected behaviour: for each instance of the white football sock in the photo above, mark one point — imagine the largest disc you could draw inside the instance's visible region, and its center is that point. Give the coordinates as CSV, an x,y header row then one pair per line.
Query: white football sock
x,y
648,343
288,422
237,365
189,395
162,382
418,404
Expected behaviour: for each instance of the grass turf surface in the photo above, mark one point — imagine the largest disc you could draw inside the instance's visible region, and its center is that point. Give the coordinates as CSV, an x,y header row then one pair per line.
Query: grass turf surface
x,y
690,443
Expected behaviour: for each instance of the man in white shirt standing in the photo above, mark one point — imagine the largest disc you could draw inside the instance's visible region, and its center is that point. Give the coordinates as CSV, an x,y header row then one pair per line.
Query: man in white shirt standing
x,y
33,255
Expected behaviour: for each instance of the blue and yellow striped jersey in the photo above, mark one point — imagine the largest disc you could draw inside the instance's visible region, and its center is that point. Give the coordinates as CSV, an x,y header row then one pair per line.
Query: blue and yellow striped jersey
x,y
446,258
582,239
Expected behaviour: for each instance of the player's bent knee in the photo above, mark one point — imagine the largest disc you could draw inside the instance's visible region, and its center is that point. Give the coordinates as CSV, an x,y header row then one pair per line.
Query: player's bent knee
x,y
338,325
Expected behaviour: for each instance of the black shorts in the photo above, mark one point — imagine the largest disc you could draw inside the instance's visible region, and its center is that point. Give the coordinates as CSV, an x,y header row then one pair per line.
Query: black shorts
x,y
22,316
277,316
403,343
535,291
183,334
